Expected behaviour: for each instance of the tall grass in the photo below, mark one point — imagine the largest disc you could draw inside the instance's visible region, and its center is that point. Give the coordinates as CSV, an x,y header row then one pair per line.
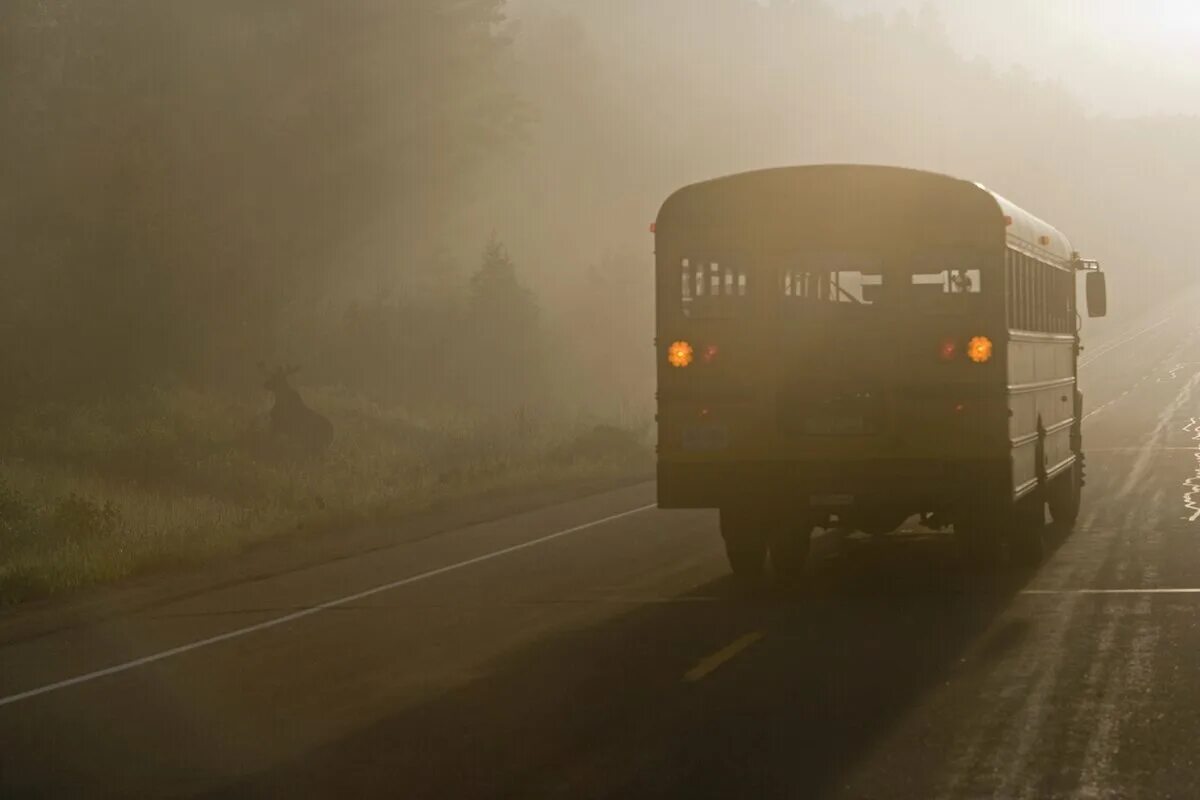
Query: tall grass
x,y
91,493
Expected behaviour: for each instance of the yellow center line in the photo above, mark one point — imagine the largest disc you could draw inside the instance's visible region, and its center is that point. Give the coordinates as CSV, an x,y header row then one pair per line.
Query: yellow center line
x,y
708,664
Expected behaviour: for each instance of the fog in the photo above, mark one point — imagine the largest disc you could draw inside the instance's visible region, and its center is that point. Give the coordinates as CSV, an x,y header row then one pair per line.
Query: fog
x,y
194,188
439,211
1117,58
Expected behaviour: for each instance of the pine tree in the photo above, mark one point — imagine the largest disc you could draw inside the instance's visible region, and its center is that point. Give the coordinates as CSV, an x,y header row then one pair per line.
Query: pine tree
x,y
504,331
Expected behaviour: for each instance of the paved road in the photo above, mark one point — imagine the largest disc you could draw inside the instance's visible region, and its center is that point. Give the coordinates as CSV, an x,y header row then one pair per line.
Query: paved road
x,y
596,649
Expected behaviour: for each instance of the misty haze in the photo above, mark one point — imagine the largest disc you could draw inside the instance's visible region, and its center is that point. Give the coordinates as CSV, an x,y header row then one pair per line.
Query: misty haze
x,y
599,398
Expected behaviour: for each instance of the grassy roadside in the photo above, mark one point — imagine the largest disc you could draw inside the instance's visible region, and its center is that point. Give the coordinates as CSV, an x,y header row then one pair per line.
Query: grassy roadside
x,y
90,494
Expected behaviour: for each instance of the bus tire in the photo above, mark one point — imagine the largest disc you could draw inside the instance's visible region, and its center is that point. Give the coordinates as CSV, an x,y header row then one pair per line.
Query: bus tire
x,y
981,537
1027,532
1065,495
982,547
745,536
789,548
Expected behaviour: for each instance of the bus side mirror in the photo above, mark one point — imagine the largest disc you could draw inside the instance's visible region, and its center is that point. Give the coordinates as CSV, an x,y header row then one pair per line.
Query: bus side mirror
x,y
1097,294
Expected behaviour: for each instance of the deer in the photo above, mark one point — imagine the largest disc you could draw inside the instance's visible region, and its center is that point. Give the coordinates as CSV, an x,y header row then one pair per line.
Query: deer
x,y
291,419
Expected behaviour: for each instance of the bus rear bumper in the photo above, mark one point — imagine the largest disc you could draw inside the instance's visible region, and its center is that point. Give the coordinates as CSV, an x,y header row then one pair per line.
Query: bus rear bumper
x,y
914,484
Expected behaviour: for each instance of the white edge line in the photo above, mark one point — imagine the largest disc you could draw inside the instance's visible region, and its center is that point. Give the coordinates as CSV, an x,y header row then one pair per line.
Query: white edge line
x,y
1105,350
1108,348
307,612
1110,591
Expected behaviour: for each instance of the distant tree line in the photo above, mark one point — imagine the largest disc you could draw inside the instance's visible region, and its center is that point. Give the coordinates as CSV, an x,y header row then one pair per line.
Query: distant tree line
x,y
190,188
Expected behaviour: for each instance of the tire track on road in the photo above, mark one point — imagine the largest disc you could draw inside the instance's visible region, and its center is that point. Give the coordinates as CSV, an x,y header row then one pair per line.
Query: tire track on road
x,y
1191,498
1003,756
1166,418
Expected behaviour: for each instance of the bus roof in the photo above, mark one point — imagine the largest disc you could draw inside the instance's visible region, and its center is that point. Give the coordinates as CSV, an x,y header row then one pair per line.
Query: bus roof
x,y
1032,231
1023,229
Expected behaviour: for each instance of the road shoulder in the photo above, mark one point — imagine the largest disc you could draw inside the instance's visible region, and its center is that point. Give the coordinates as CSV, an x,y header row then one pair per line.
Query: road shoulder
x,y
282,555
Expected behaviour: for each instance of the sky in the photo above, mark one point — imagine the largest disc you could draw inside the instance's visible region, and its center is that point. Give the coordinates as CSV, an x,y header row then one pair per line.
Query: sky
x,y
1119,57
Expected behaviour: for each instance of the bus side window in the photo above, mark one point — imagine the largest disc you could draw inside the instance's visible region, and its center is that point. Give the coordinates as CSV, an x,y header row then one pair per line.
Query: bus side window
x,y
1030,295
1022,297
1061,305
1047,276
1044,297
1068,299
1029,322
1022,292
1064,288
1035,295
1039,296
1039,285
1052,300
1010,286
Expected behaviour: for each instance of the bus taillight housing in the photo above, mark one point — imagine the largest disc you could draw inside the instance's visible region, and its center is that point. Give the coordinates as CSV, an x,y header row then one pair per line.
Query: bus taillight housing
x,y
980,349
680,354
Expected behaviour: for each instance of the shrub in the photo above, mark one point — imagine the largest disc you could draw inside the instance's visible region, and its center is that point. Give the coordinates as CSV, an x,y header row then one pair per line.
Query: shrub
x,y
91,493
76,516
16,514
603,443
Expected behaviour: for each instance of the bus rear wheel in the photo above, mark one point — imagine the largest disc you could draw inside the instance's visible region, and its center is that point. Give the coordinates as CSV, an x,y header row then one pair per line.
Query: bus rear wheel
x,y
997,534
789,546
1065,494
981,540
745,535
1027,532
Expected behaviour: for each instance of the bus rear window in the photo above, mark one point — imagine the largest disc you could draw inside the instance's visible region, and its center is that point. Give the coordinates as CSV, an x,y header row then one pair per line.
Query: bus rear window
x,y
836,286
921,288
711,288
715,287
949,281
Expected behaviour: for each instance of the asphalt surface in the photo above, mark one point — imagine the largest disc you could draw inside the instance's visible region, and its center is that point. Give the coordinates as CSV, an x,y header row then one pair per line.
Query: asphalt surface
x,y
596,648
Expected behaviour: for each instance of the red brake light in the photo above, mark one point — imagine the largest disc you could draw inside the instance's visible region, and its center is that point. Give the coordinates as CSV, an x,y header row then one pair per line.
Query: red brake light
x,y
948,349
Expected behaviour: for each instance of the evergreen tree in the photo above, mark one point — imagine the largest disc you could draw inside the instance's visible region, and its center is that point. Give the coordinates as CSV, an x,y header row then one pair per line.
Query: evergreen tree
x,y
504,331
190,182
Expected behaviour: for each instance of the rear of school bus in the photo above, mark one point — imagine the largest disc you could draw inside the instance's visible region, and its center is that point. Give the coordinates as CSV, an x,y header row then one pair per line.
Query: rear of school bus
x,y
829,352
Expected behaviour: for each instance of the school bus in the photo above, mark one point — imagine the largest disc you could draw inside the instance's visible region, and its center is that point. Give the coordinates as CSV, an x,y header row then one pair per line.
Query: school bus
x,y
849,346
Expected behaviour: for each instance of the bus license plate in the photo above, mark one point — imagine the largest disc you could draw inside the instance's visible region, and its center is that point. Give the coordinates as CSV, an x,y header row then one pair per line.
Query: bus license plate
x,y
705,437
827,500
835,426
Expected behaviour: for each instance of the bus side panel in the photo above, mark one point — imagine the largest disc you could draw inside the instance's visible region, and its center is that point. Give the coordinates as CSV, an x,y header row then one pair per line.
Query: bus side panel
x,y
1041,391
